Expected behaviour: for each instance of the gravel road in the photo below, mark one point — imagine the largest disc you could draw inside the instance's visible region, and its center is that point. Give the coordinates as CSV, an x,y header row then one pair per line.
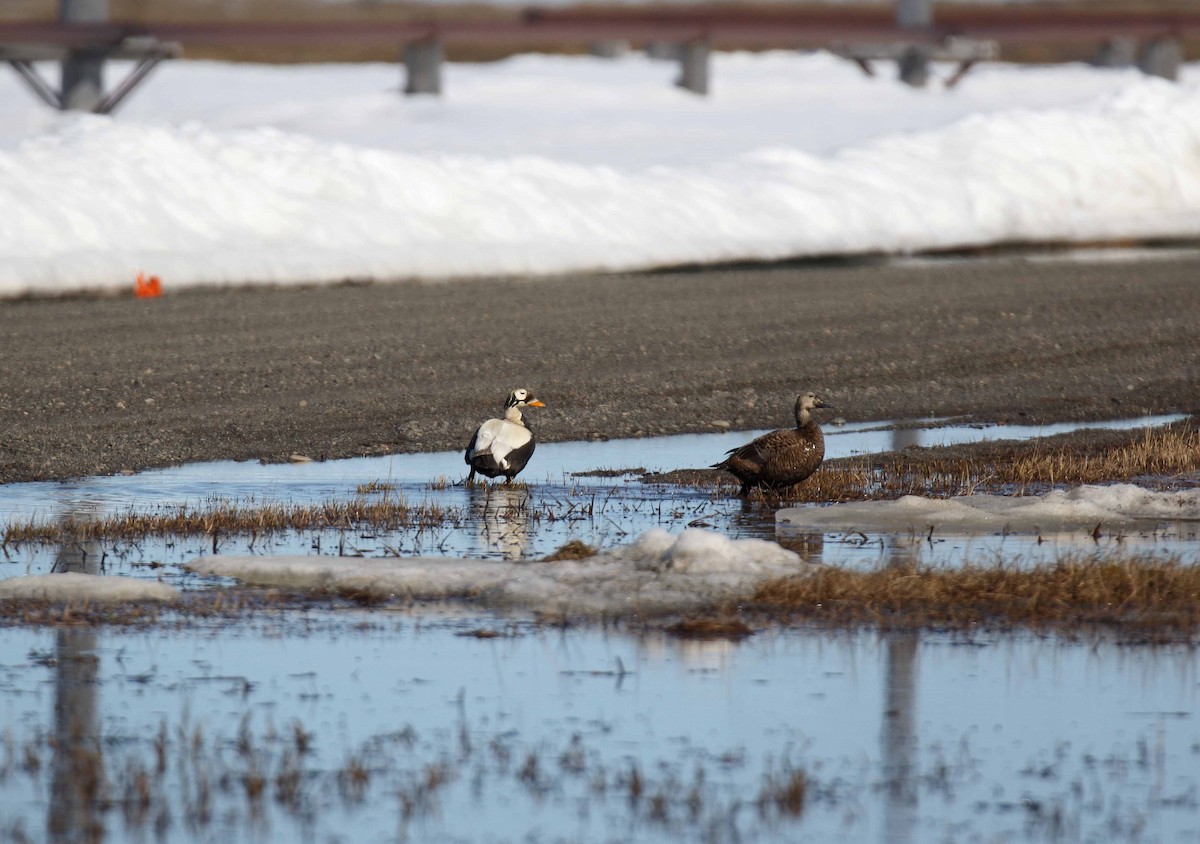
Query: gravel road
x,y
99,385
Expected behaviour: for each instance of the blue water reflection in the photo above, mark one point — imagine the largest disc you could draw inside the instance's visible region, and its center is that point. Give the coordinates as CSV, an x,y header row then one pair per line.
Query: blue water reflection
x,y
901,736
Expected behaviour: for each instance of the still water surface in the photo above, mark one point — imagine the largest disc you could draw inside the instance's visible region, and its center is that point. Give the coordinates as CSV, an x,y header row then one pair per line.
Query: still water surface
x,y
498,523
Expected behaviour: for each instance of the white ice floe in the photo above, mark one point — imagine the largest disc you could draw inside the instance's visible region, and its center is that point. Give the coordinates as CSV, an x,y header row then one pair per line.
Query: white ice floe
x,y
218,173
657,573
77,587
1082,508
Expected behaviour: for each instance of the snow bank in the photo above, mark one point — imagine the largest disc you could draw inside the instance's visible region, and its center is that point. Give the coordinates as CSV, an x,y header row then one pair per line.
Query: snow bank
x,y
221,199
657,573
1079,509
74,586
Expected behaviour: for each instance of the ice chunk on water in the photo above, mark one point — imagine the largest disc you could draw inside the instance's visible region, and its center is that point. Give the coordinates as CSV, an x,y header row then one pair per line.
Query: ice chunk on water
x,y
1081,508
74,586
656,573
704,552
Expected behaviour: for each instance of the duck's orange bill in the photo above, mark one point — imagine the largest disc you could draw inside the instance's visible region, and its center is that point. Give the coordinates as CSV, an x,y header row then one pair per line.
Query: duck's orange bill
x,y
534,403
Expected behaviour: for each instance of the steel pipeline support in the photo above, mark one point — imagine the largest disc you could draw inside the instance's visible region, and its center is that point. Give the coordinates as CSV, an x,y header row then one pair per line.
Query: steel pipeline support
x,y
913,65
1118,51
39,86
1161,57
148,61
914,14
147,52
82,69
423,67
693,66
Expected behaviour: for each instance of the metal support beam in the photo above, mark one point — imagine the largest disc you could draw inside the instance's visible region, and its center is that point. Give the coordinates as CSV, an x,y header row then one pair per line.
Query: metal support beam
x,y
913,60
39,86
143,68
963,69
423,67
146,51
693,66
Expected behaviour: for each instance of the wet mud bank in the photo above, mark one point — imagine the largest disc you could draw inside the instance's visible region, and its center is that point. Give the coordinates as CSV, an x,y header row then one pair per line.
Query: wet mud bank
x,y
101,385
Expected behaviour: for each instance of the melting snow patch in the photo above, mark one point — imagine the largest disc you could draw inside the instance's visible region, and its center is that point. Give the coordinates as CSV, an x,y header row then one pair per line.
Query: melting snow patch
x,y
1082,508
73,586
657,573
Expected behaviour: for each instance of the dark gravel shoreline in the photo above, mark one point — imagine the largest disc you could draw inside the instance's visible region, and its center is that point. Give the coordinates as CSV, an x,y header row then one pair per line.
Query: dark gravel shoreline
x,y
99,385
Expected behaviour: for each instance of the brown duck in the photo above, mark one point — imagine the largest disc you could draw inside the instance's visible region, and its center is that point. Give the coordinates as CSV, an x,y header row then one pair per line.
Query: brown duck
x,y
781,458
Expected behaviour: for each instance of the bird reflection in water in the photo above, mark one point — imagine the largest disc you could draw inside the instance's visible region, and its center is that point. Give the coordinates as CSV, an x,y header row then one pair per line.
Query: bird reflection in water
x,y
501,515
810,545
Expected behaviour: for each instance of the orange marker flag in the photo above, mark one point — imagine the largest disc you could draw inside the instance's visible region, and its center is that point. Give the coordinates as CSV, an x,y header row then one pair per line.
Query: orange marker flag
x,y
147,288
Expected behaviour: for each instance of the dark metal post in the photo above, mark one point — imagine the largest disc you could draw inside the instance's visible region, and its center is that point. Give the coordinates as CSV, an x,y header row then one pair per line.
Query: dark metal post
x,y
1118,51
83,70
1161,57
914,14
914,66
693,66
914,63
423,67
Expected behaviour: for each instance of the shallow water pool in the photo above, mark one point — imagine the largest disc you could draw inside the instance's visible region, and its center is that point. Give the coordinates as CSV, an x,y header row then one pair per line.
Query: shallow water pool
x,y
555,464
523,522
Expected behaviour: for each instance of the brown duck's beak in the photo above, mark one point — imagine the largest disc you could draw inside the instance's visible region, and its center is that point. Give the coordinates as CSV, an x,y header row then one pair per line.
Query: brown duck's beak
x,y
534,403
825,404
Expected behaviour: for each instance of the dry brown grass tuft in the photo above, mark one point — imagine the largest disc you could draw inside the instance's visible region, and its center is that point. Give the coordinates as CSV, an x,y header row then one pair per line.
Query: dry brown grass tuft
x,y
229,518
573,549
1159,452
1136,593
375,486
1010,466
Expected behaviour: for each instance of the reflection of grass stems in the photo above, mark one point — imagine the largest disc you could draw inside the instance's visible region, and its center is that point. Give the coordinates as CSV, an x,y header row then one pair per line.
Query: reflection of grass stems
x,y
229,794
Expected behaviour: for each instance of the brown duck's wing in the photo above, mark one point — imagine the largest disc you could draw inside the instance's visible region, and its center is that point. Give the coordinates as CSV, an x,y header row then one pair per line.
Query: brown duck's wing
x,y
792,464
760,450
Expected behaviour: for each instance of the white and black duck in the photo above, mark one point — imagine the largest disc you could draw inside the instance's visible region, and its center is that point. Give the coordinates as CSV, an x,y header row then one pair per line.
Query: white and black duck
x,y
783,458
503,446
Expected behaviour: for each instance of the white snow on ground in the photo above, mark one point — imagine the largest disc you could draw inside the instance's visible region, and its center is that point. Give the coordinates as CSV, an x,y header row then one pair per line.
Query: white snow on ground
x,y
1079,509
219,173
94,588
657,573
